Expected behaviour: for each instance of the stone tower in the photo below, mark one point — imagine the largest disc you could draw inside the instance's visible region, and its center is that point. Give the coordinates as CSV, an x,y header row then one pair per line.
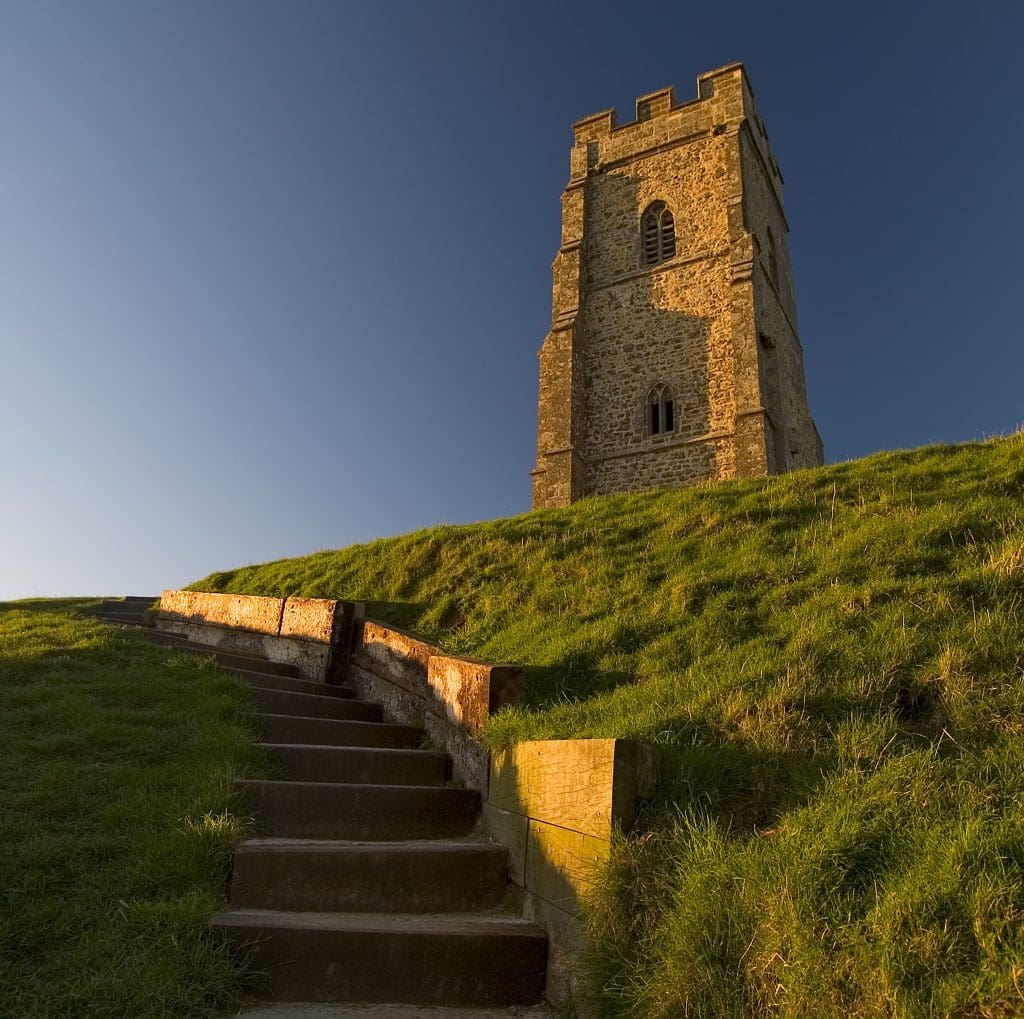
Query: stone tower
x,y
673,355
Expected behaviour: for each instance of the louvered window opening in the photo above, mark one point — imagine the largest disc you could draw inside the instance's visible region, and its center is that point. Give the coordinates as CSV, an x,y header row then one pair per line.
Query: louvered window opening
x,y
661,411
659,234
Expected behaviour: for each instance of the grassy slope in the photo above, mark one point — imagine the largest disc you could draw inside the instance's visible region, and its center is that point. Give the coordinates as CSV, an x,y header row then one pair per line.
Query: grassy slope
x,y
833,664
115,796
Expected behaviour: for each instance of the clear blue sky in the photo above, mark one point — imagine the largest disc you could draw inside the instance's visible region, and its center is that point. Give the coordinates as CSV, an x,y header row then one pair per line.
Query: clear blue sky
x,y
273,276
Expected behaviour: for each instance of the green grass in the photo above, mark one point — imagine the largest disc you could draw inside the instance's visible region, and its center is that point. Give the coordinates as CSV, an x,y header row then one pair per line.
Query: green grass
x,y
832,663
116,818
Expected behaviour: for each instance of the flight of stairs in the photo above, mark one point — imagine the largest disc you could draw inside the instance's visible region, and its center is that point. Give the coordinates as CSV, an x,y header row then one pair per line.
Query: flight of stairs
x,y
366,884
129,611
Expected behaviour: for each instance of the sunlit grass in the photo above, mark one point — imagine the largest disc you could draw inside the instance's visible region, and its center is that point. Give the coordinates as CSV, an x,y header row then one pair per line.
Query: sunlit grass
x,y
832,664
116,818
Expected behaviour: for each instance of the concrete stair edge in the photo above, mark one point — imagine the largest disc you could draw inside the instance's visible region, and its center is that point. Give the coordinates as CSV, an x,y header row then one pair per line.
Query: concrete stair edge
x,y
313,762
359,811
291,729
452,959
322,875
362,1010
273,701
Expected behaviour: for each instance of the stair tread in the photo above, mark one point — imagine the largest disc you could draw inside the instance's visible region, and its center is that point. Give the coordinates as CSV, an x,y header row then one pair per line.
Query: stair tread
x,y
212,649
296,693
311,705
443,845
293,684
332,1010
185,644
472,924
384,788
337,721
311,700
380,765
324,748
338,733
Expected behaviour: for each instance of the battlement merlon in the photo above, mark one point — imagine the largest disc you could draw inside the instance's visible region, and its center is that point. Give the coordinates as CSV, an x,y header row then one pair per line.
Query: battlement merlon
x,y
725,100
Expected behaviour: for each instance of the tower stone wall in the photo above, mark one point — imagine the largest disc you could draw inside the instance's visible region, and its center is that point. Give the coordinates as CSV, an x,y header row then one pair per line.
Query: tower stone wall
x,y
713,324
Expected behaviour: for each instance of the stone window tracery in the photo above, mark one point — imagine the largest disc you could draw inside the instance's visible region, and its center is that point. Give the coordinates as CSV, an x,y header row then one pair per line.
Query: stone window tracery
x,y
660,410
657,234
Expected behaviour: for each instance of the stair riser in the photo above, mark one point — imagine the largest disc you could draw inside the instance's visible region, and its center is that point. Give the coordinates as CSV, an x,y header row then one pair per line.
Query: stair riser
x,y
370,880
370,765
330,732
436,969
290,683
228,659
283,702
172,639
373,813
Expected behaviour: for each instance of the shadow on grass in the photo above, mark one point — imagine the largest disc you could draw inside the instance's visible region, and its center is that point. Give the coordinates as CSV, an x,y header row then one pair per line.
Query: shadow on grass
x,y
571,680
403,614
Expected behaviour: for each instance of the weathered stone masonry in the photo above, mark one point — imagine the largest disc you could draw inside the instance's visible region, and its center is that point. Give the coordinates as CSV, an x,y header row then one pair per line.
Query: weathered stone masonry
x,y
715,322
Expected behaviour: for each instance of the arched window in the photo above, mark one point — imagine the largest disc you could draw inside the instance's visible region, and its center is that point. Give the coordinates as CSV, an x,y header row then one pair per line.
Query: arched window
x,y
773,259
657,234
661,416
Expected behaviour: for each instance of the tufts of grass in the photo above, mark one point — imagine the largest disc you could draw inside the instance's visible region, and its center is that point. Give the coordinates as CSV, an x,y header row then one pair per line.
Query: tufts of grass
x,y
116,818
832,665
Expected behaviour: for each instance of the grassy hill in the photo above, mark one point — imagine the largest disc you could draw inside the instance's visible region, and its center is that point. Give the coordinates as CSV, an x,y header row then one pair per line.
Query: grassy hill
x,y
115,818
832,662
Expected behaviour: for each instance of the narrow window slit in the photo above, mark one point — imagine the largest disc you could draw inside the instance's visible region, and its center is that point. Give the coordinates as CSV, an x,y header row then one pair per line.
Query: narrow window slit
x,y
658,234
661,411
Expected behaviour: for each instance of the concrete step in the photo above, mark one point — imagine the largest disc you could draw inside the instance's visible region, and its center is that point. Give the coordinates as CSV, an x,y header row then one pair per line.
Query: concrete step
x,y
337,733
228,659
352,765
454,959
248,663
287,702
176,640
269,682
136,603
121,620
362,1010
354,877
328,810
